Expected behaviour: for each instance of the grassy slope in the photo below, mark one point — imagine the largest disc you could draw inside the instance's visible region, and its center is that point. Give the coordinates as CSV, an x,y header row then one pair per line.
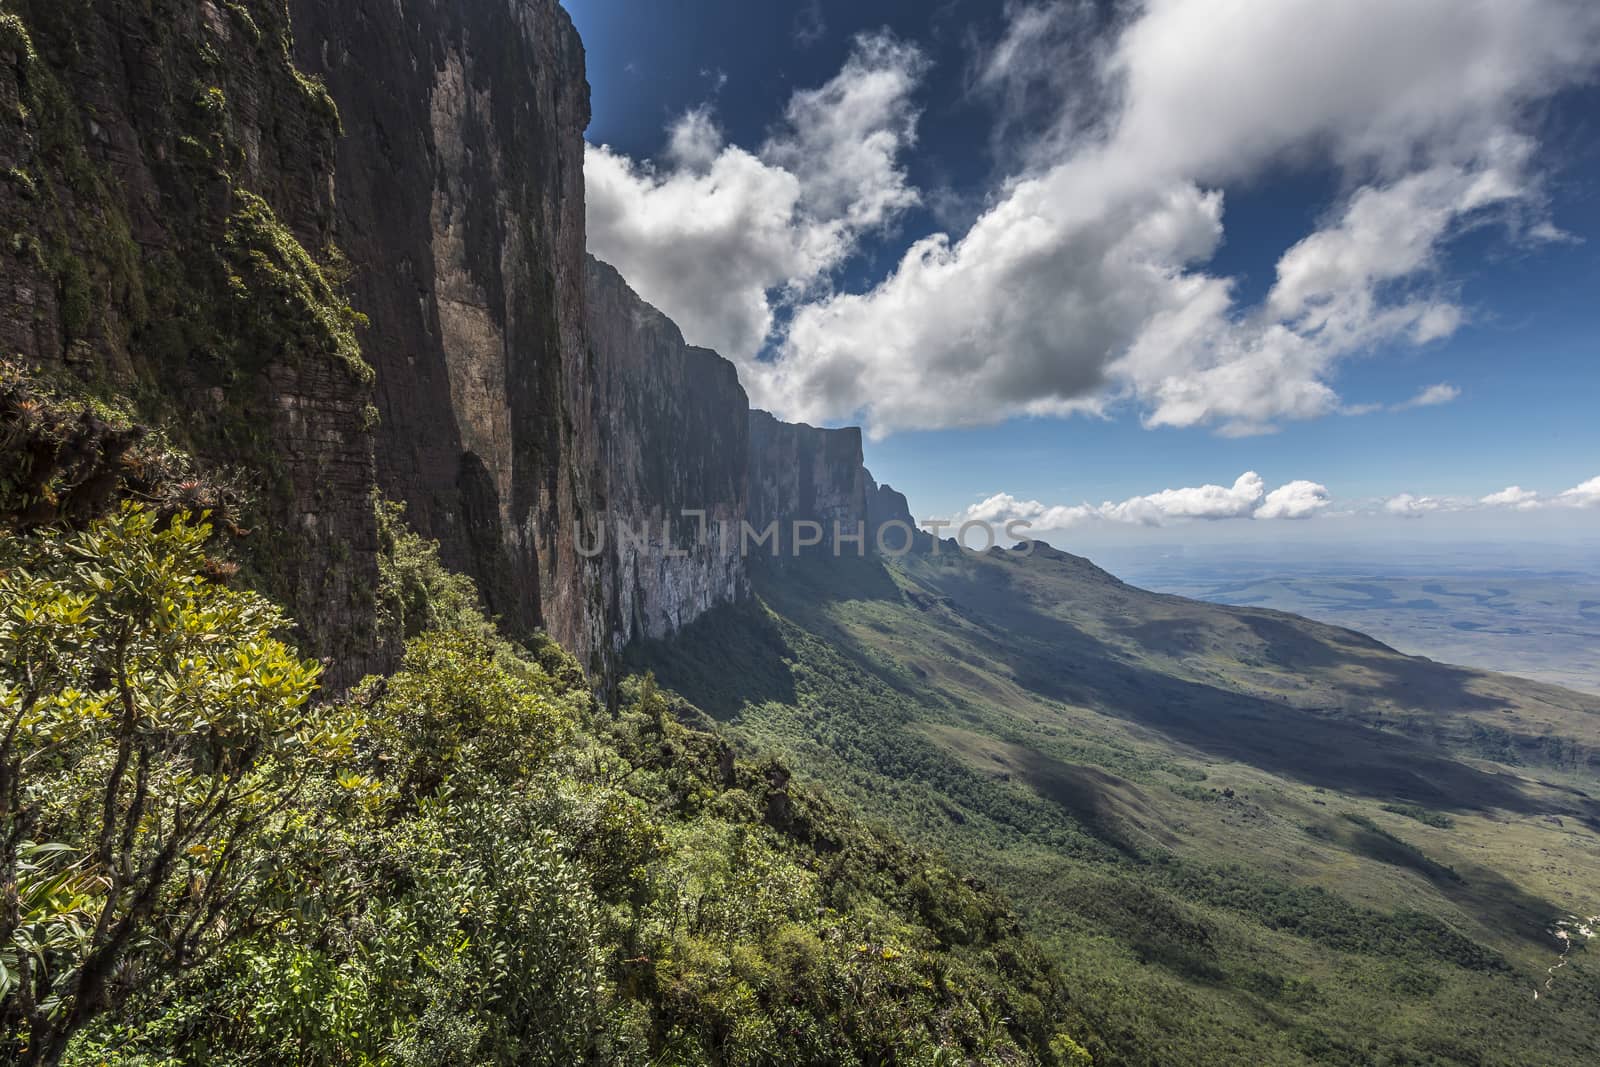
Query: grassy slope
x,y
1250,838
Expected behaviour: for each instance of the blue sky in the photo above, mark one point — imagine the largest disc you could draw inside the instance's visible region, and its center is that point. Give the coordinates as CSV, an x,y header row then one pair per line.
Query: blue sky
x,y
1317,239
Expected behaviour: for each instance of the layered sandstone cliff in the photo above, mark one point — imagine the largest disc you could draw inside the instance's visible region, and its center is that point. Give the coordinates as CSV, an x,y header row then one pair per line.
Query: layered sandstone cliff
x,y
801,473
460,203
811,475
166,195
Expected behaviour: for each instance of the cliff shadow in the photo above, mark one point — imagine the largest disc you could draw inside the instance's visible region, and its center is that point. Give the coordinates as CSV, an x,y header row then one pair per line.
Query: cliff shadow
x,y
803,584
1422,683
732,656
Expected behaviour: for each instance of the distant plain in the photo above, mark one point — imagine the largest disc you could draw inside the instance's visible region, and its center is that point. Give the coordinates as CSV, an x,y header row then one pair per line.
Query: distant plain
x,y
1527,610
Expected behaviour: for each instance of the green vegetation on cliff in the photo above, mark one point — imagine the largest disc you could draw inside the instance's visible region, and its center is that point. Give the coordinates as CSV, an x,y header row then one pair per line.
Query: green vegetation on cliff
x,y
468,861
166,208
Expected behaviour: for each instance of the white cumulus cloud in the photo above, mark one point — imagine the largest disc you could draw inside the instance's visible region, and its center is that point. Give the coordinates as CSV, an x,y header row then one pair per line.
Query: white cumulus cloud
x,y
1410,506
1247,498
1203,502
715,235
1296,500
1586,495
1512,496
1085,282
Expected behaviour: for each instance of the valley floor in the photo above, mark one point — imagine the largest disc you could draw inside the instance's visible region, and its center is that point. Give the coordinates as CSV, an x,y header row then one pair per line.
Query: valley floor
x,y
1248,838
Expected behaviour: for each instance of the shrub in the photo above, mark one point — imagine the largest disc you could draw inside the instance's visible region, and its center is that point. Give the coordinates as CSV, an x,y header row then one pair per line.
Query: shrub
x,y
153,726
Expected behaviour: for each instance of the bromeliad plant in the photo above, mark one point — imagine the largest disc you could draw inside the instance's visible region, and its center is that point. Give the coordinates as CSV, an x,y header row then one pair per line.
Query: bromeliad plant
x,y
153,726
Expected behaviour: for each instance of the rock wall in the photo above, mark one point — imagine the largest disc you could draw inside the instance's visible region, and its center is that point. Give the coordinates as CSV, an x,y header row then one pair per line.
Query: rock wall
x,y
800,473
886,505
166,201
674,439
375,278
525,393
460,203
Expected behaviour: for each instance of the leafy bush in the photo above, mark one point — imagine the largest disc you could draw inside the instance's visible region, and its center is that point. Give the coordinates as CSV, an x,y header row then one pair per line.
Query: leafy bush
x,y
68,458
154,726
417,594
469,861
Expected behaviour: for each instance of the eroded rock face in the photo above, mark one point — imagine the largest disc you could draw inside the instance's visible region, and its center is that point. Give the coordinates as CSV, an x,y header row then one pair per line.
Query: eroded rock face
x,y
167,193
674,441
193,220
460,202
800,473
525,393
893,528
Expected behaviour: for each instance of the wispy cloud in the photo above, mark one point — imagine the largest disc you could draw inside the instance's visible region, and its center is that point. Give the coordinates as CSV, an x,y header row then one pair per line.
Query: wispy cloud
x,y
718,79
1432,396
809,25
1513,497
1248,499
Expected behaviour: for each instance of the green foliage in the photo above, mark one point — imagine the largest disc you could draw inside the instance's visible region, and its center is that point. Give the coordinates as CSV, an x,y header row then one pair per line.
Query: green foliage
x,y
1372,840
320,100
282,292
465,862
495,872
198,327
451,705
154,726
76,295
1437,819
417,593
1187,918
23,181
14,38
67,457
213,101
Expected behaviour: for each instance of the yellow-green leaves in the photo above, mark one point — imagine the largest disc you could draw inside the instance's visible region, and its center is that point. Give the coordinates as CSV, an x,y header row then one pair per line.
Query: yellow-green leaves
x,y
453,705
154,723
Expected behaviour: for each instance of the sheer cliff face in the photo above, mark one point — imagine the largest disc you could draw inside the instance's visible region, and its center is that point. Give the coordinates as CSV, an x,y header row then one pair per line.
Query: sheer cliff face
x,y
167,200
460,201
674,439
885,506
801,473
384,285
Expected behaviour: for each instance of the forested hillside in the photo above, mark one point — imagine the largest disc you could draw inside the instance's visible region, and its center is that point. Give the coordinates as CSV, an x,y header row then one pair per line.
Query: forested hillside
x,y
208,859
1244,837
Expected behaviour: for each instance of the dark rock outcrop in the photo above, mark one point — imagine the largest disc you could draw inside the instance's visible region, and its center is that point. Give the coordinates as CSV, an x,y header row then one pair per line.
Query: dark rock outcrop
x,y
806,474
460,203
890,523
167,202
